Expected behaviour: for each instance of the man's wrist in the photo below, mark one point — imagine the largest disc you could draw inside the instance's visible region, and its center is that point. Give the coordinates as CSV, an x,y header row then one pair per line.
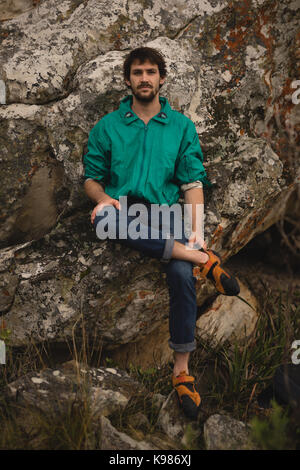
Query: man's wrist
x,y
100,199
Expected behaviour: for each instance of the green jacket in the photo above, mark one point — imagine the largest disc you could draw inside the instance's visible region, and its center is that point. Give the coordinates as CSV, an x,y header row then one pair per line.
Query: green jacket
x,y
144,161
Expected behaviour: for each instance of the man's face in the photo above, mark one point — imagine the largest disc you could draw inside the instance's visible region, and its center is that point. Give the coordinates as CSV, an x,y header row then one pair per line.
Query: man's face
x,y
144,80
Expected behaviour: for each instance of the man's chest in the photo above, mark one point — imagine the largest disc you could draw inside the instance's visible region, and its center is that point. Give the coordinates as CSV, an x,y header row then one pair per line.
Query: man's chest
x,y
156,143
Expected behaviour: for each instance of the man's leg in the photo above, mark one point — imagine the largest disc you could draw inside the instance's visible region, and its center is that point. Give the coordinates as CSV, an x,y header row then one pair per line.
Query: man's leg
x,y
179,270
181,362
170,248
182,321
113,221
183,307
183,312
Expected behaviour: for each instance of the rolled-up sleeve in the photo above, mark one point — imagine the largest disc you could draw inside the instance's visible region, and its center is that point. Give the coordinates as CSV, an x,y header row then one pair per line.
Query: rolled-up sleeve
x,y
96,161
189,166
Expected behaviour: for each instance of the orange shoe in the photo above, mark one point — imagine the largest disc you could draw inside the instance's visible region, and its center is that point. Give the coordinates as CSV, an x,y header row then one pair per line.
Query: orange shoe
x,y
189,398
224,282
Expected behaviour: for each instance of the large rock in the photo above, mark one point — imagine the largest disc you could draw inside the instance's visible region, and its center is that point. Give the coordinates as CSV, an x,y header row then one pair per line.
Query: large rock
x,y
174,423
229,318
222,432
157,353
12,8
43,49
107,390
230,70
71,284
112,439
53,394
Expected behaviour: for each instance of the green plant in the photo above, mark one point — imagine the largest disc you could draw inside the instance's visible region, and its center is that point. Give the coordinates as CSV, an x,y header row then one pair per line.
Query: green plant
x,y
234,374
156,379
271,433
191,438
5,334
67,427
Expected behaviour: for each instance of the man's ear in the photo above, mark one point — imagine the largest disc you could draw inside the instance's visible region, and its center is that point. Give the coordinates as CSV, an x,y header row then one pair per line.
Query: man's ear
x,y
127,82
162,80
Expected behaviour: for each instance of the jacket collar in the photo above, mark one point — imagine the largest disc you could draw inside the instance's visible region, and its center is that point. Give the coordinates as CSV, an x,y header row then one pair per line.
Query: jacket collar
x,y
129,116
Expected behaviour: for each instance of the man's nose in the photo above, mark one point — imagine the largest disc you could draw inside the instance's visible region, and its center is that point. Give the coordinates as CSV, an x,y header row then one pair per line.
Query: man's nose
x,y
144,77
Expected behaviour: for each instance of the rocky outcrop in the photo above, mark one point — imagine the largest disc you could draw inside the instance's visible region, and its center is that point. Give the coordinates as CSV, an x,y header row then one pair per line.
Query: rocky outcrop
x,y
13,8
98,393
61,288
106,389
230,69
229,318
172,421
221,432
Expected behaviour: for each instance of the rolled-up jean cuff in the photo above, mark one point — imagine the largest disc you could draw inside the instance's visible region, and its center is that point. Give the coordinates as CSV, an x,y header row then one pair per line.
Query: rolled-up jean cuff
x,y
168,248
187,347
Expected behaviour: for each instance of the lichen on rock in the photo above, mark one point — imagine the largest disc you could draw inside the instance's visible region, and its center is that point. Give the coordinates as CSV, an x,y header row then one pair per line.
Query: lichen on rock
x,y
230,69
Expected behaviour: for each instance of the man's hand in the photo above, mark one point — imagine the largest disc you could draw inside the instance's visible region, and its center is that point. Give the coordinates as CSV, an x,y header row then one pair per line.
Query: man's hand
x,y
105,201
198,241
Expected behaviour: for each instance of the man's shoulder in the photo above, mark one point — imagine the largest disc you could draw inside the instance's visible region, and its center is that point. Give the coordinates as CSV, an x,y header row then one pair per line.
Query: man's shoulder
x,y
182,120
178,116
105,121
109,117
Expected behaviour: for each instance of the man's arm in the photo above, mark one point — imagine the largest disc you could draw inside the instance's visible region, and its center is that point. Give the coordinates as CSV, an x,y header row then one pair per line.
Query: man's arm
x,y
95,191
190,175
189,164
195,199
96,167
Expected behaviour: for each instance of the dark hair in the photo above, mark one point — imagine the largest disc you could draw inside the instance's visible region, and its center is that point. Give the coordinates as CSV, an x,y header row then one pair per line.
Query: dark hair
x,y
142,54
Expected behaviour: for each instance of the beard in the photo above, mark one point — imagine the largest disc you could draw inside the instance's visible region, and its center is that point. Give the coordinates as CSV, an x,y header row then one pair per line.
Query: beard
x,y
145,97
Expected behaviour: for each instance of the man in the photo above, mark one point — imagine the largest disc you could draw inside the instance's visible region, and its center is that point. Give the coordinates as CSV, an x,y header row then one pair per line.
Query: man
x,y
149,152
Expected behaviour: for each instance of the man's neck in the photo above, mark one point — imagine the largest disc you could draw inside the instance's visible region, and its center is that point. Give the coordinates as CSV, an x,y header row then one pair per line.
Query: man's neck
x,y
146,111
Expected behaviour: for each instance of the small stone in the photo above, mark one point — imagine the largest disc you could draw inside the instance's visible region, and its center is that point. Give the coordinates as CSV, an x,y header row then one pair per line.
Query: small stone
x,y
36,380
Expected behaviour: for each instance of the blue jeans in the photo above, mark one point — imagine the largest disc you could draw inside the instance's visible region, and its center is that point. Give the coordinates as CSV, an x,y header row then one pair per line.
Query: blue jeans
x,y
180,279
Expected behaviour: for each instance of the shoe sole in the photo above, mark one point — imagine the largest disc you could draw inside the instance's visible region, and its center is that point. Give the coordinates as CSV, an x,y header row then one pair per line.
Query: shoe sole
x,y
188,406
223,281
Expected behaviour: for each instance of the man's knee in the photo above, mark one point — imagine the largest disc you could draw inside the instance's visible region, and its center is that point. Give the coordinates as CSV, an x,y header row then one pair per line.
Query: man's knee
x,y
179,270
